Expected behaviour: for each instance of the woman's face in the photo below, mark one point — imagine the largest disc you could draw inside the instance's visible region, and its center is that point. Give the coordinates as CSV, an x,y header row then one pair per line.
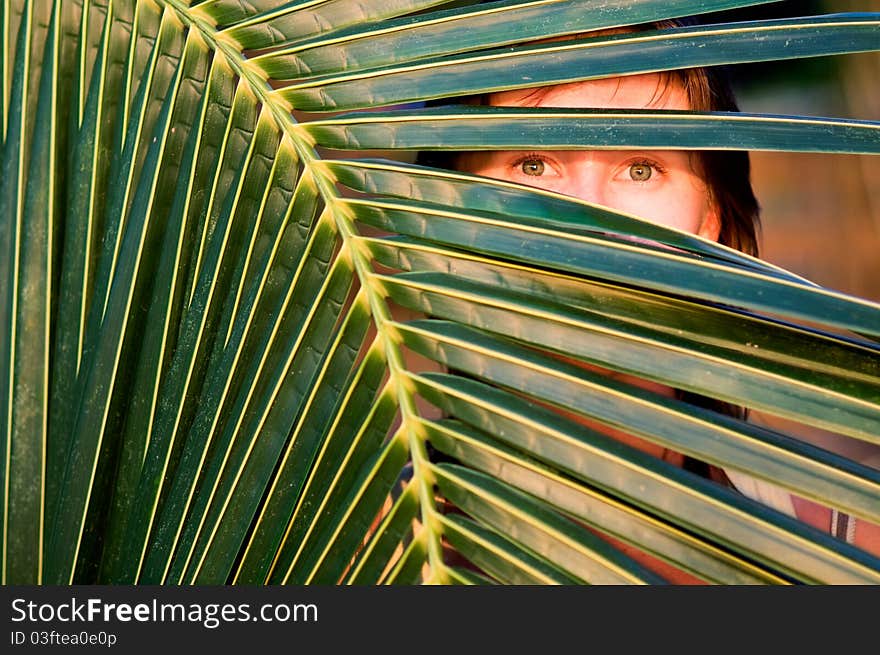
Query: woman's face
x,y
658,185
661,186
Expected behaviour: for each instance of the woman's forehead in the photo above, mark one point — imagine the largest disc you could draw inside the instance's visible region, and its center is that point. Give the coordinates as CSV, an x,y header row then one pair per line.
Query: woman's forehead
x,y
647,91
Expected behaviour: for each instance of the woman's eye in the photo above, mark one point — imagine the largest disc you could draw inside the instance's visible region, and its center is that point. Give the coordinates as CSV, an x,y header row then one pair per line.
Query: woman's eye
x,y
640,172
532,167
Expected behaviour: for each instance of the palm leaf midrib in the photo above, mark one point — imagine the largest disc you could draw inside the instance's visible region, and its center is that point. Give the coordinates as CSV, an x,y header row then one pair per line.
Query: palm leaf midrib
x,y
379,309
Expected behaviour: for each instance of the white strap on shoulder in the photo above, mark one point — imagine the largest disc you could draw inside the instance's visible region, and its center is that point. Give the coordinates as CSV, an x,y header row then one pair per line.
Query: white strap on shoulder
x,y
764,492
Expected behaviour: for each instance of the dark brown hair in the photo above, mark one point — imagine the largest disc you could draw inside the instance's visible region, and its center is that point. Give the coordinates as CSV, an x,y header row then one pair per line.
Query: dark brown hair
x,y
727,174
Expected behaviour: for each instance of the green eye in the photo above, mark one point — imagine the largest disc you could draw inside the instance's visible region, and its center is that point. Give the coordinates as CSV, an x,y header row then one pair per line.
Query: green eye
x,y
532,167
640,172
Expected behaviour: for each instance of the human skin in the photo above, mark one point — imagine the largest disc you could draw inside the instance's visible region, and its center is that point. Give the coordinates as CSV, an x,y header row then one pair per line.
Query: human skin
x,y
662,186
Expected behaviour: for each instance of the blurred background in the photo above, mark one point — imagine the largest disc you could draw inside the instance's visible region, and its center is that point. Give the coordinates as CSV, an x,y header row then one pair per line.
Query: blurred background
x,y
821,213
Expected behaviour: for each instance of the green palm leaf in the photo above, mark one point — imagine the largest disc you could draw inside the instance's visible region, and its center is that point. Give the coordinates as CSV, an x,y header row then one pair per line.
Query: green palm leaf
x,y
530,65
234,350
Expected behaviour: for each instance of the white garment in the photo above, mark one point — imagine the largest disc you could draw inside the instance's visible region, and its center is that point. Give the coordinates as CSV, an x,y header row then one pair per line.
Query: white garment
x,y
764,492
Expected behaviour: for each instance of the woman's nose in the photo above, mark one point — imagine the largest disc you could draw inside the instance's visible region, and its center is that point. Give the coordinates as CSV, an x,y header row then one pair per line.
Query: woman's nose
x,y
587,181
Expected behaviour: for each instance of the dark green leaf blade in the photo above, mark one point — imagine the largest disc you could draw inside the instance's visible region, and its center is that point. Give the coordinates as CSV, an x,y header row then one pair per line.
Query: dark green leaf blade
x,y
529,128
666,491
454,31
599,510
554,63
